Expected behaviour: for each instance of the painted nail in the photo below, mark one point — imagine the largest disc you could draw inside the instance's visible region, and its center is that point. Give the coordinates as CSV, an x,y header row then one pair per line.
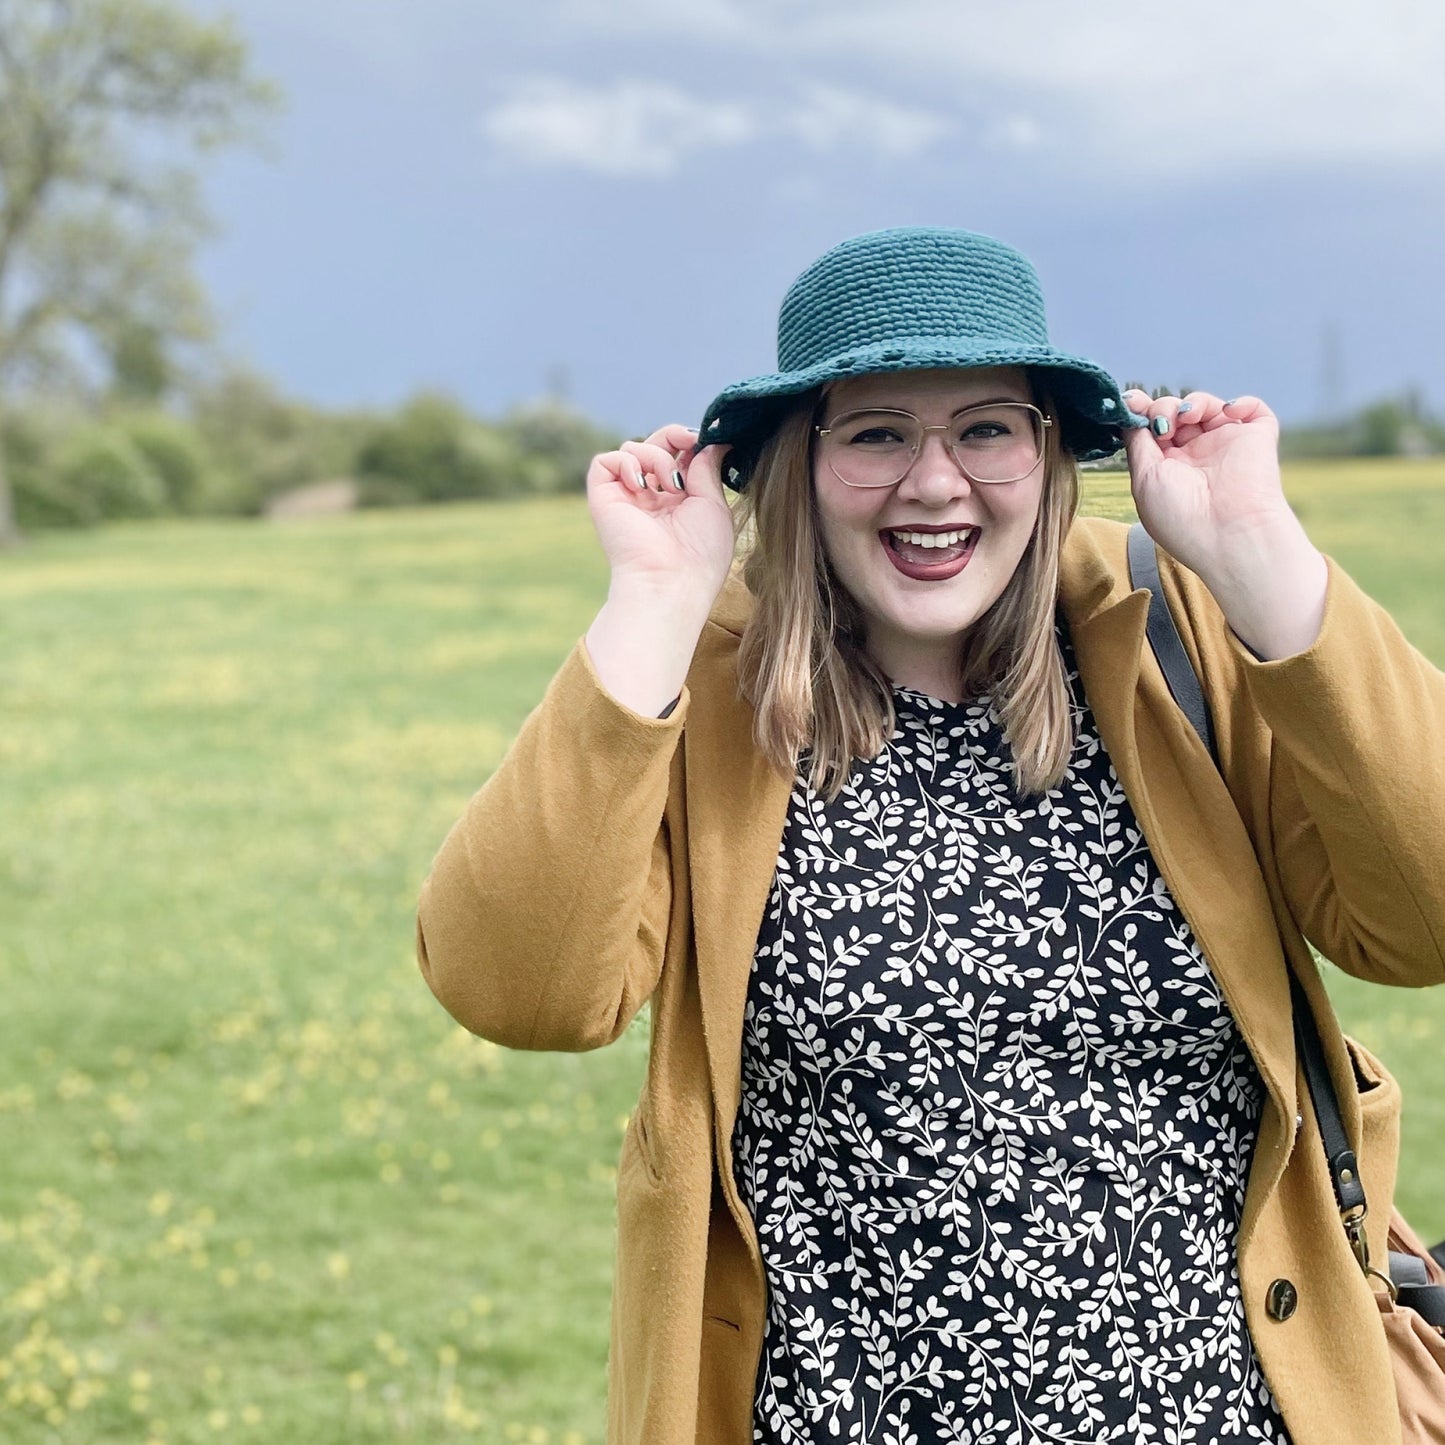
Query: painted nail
x,y
641,480
1186,406
1160,425
677,481
1235,402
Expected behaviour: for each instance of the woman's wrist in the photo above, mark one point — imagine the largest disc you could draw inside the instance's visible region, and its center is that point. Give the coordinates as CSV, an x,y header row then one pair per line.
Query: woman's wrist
x,y
672,597
642,645
1270,583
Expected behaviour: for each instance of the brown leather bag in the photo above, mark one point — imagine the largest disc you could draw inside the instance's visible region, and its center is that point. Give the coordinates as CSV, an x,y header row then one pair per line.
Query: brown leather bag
x,y
1417,1346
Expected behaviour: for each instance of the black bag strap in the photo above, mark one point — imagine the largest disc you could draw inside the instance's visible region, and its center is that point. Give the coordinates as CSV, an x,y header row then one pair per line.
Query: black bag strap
x,y
1165,640
1188,693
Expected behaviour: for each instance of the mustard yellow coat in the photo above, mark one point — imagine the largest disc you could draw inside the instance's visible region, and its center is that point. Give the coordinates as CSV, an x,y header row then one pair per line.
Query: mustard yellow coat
x,y
613,859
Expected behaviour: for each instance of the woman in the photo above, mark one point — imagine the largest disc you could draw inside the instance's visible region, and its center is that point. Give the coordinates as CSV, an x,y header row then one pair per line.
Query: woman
x,y
972,1109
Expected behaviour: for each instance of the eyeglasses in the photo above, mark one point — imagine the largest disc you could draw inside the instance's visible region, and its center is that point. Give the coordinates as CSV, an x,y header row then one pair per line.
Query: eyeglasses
x,y
999,441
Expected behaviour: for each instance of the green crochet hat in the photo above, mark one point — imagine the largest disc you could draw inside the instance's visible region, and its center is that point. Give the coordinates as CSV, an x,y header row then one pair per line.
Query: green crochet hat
x,y
907,299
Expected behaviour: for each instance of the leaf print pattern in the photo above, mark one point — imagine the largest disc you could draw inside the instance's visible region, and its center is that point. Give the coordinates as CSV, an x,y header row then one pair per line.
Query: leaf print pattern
x,y
996,1117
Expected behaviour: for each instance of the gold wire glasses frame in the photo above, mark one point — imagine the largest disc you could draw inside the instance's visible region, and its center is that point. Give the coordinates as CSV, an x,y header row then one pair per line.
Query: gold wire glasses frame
x,y
881,457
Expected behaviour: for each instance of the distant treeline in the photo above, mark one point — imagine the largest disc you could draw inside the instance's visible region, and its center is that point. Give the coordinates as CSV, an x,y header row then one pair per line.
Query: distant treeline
x,y
238,444
1396,427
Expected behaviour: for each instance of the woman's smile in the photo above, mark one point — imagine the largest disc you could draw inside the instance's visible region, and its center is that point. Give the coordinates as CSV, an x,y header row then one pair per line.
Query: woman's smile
x,y
930,553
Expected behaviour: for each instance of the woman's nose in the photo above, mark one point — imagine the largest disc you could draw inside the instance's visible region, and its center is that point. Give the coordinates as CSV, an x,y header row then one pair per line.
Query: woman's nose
x,y
935,474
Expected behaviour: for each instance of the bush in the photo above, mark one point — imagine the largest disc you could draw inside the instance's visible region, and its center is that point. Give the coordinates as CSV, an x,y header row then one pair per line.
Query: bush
x,y
1382,429
262,443
42,499
241,442
175,453
1318,443
108,471
432,451
555,445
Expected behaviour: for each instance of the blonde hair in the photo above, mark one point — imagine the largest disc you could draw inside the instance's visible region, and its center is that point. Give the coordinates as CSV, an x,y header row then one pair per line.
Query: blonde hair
x,y
803,664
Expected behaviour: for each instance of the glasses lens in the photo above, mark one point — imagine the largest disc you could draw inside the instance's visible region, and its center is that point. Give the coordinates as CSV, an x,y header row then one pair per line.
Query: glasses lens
x,y
872,448
998,443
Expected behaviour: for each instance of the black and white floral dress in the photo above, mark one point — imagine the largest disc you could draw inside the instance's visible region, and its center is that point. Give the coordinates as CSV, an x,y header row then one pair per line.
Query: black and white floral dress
x,y
996,1117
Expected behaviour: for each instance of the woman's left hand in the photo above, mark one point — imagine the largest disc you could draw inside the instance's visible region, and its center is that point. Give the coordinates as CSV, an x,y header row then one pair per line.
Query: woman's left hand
x,y
1205,473
1206,483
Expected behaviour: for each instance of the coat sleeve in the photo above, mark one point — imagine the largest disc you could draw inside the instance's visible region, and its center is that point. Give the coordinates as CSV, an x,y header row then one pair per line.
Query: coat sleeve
x,y
1357,790
543,921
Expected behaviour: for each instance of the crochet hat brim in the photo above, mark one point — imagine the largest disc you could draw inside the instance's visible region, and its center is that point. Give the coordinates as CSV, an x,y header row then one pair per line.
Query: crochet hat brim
x,y
1092,414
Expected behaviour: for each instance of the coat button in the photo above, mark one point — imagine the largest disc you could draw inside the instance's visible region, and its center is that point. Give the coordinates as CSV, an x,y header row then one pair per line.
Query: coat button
x,y
1282,1300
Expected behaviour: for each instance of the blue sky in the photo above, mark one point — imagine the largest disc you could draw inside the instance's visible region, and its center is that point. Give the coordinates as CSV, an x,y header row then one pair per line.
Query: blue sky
x,y
612,195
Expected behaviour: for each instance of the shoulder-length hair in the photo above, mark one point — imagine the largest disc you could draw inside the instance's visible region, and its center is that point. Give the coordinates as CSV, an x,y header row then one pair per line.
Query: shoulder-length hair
x,y
803,664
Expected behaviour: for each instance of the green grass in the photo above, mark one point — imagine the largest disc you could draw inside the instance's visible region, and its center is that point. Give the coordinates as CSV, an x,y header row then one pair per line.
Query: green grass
x,y
256,1185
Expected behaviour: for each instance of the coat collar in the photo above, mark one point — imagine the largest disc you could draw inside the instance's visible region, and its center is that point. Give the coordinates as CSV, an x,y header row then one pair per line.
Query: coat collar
x,y
737,807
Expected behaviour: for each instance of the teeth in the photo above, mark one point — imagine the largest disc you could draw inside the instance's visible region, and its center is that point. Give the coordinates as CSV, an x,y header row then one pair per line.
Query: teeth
x,y
934,539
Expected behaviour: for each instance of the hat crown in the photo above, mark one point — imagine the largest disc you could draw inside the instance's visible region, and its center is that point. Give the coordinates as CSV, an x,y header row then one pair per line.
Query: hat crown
x,y
907,283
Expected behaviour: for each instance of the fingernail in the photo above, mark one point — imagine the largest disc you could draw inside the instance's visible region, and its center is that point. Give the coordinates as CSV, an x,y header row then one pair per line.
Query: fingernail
x,y
1235,402
1160,425
677,480
642,481
1186,406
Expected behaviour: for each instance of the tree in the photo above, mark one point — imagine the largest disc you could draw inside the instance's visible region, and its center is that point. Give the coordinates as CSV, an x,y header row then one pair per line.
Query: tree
x,y
433,451
105,106
140,369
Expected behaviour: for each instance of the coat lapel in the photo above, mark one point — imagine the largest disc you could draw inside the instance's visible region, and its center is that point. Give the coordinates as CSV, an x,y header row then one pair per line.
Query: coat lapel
x,y
1193,828
736,807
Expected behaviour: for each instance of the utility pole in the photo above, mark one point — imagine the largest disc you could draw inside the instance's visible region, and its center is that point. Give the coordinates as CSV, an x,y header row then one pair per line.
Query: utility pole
x,y
558,384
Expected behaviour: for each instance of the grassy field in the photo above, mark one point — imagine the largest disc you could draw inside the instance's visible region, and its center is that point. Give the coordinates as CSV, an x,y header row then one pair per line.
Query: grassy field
x,y
256,1187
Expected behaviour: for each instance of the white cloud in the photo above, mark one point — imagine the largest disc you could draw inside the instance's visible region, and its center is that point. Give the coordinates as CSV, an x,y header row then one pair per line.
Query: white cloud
x,y
633,128
649,128
829,118
1236,83
1185,91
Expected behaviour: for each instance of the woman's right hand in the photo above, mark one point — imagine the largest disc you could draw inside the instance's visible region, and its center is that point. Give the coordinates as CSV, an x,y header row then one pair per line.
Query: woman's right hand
x,y
661,517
